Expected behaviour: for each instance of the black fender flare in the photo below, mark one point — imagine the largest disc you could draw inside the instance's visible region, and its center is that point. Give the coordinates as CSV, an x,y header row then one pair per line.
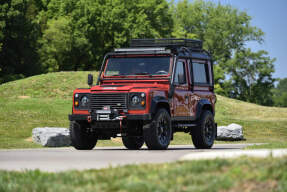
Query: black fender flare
x,y
156,101
203,104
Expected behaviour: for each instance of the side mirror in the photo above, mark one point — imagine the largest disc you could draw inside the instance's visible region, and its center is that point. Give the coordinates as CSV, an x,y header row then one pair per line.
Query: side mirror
x,y
181,79
90,80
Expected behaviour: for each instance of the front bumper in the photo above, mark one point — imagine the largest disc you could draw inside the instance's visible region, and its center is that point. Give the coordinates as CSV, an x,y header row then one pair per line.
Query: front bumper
x,y
78,117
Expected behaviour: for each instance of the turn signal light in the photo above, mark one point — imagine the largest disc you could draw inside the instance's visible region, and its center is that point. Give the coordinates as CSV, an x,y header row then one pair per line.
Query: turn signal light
x,y
142,103
76,103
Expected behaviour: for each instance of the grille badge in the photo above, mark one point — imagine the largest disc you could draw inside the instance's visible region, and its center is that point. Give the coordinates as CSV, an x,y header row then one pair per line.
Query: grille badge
x,y
106,108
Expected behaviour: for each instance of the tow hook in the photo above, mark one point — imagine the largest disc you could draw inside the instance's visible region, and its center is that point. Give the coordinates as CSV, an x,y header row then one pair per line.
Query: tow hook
x,y
121,119
89,118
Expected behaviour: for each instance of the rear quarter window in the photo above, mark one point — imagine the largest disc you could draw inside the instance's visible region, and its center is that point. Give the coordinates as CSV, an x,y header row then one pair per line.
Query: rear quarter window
x,y
200,73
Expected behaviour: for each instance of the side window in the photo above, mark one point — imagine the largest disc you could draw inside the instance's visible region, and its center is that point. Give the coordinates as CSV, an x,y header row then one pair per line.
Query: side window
x,y
200,72
180,77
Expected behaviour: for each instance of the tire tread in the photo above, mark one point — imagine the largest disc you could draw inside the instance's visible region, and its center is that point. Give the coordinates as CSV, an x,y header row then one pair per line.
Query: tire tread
x,y
81,140
197,134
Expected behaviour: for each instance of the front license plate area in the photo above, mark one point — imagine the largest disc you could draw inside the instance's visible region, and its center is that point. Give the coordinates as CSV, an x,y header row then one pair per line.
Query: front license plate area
x,y
103,115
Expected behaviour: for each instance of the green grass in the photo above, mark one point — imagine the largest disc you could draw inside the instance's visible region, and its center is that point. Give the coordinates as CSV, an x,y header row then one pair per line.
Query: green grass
x,y
45,100
52,85
19,116
274,145
243,174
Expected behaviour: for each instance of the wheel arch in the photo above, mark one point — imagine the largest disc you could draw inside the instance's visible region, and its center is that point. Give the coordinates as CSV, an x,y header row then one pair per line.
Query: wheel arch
x,y
159,102
203,104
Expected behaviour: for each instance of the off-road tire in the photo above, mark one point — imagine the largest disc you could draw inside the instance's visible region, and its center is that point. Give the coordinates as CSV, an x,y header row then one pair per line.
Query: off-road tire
x,y
203,135
133,143
157,134
80,137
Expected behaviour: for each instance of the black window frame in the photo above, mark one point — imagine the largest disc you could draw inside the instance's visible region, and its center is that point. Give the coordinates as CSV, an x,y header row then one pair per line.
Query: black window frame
x,y
184,61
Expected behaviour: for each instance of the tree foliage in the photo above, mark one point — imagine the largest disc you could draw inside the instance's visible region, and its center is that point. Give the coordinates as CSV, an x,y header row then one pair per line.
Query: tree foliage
x,y
280,93
18,36
51,35
222,28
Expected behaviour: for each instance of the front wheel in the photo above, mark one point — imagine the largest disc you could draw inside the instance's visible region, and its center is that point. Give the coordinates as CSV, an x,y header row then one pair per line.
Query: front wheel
x,y
133,143
203,136
81,138
157,134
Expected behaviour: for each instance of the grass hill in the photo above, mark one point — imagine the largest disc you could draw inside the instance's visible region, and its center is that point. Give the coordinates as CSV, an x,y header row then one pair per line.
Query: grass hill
x,y
45,100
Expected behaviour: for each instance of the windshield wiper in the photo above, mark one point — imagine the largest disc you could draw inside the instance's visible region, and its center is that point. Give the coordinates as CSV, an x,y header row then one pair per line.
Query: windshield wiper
x,y
142,73
116,75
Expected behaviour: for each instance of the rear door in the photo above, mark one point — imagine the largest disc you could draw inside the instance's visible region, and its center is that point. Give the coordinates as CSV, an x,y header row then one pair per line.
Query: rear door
x,y
202,82
181,91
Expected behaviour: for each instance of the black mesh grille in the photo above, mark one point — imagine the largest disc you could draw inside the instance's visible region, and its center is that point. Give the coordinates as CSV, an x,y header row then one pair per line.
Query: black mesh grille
x,y
114,100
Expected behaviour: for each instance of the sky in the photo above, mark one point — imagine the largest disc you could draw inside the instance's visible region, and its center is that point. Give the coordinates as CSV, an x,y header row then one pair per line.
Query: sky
x,y
271,17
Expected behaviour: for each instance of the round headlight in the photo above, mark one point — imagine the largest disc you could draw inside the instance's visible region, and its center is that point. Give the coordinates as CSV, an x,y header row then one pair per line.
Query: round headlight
x,y
135,100
84,101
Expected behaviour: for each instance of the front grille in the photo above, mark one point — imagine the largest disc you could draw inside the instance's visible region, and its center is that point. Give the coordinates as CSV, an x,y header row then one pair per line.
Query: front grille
x,y
114,100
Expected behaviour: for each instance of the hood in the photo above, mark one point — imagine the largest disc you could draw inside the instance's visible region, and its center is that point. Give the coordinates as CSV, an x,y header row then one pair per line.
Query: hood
x,y
122,87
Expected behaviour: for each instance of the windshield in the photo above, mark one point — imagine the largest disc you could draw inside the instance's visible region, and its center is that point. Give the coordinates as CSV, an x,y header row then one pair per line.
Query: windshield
x,y
138,66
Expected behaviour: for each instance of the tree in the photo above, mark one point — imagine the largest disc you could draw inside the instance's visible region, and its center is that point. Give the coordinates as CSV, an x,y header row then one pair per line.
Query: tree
x,y
251,76
280,93
18,37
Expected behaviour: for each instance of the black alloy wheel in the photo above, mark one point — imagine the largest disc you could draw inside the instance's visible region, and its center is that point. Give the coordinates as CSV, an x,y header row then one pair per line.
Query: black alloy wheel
x,y
203,135
157,134
209,131
163,130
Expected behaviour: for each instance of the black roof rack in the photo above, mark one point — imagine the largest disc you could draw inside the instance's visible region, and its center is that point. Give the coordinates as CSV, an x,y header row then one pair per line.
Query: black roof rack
x,y
170,43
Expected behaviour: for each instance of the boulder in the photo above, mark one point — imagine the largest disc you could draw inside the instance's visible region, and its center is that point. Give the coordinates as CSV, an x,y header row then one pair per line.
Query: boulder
x,y
51,136
232,132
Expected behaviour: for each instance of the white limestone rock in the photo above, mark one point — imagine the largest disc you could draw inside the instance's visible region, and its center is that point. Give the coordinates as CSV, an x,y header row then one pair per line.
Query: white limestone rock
x,y
232,132
51,136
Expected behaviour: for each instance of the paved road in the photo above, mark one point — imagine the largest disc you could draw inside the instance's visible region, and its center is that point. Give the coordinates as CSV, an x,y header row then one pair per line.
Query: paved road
x,y
61,159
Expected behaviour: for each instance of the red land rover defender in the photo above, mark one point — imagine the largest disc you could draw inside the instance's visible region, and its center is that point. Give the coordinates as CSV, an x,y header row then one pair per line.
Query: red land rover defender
x,y
146,93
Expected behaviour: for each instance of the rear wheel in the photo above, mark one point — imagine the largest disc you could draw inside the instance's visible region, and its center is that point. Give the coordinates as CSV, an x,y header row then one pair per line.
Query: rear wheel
x,y
203,136
157,134
133,143
81,138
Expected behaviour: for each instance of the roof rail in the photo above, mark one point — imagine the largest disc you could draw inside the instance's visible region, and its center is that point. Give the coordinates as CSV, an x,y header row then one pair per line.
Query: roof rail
x,y
169,42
